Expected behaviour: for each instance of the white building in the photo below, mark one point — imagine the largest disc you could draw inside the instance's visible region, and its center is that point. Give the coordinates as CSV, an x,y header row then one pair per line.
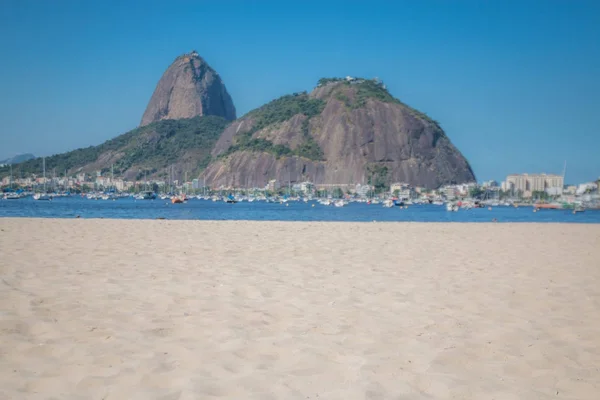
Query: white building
x,y
529,183
586,187
490,184
304,187
451,192
273,185
363,190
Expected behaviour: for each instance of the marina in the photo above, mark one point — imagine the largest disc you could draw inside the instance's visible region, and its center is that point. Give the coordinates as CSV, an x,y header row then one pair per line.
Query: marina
x,y
148,206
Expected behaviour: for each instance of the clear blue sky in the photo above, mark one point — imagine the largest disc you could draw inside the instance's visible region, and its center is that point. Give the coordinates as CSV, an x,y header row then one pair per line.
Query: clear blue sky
x,y
515,84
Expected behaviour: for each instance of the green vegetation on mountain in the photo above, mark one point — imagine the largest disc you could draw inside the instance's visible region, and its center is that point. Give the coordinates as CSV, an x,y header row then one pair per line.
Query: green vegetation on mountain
x,y
370,89
151,147
277,111
377,176
284,108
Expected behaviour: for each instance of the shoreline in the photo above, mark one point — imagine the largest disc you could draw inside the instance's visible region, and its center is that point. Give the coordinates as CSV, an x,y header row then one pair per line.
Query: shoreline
x,y
493,223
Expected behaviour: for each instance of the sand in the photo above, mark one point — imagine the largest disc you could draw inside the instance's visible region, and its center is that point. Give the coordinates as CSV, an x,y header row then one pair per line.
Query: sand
x,y
116,309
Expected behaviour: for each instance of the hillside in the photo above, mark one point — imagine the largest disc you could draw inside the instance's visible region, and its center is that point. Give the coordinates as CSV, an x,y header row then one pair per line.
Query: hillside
x,y
183,144
189,88
344,131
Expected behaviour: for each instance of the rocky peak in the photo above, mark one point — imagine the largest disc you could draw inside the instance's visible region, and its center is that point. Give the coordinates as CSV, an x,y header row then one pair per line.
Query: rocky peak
x,y
188,88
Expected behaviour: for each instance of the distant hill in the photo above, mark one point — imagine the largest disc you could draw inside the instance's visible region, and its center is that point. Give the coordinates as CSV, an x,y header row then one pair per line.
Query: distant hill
x,y
345,131
156,149
17,159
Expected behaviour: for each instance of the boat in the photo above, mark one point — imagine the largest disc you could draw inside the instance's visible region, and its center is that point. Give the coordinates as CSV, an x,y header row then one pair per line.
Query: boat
x,y
339,203
43,195
578,209
147,195
451,207
12,196
178,199
548,206
388,203
398,203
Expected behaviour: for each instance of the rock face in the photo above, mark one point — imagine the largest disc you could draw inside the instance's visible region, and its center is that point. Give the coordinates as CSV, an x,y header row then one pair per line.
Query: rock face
x,y
341,133
189,88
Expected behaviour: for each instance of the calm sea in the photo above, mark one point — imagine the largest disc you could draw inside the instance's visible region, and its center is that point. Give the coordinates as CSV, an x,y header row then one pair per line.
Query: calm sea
x,y
128,208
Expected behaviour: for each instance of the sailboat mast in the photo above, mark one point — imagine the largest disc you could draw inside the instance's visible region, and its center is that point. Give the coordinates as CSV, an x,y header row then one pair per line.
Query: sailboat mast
x,y
44,172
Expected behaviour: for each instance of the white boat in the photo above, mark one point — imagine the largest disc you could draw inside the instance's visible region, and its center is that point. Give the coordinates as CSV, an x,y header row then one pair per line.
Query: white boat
x,y
388,203
43,195
339,203
12,196
451,207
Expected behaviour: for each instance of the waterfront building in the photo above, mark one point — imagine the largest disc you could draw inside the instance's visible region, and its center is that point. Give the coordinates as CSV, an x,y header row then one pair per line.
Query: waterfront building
x,y
450,192
273,185
490,184
363,190
303,187
526,184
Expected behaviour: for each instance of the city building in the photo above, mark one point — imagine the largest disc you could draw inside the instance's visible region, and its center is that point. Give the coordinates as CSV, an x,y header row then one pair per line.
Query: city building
x,y
273,185
403,190
363,190
397,186
451,192
526,184
586,188
304,187
571,190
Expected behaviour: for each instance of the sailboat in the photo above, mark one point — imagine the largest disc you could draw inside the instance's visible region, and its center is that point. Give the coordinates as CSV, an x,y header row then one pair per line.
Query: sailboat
x,y
44,195
12,195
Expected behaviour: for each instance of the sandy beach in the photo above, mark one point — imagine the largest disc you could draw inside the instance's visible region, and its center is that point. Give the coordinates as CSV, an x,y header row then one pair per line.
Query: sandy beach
x,y
124,309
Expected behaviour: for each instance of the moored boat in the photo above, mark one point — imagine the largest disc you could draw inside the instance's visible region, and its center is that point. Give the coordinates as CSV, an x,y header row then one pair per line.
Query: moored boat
x,y
42,196
548,206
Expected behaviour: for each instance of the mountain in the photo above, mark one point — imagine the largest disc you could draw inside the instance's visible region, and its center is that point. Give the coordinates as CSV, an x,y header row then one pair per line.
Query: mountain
x,y
17,159
163,149
344,131
188,88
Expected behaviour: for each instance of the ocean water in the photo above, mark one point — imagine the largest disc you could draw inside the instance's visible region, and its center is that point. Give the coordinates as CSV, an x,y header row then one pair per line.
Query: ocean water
x,y
128,208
